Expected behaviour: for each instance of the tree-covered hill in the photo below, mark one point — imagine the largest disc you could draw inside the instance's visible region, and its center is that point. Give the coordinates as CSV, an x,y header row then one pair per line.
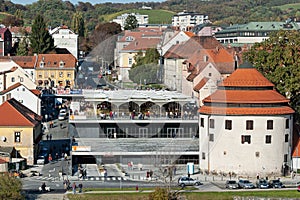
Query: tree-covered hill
x,y
220,12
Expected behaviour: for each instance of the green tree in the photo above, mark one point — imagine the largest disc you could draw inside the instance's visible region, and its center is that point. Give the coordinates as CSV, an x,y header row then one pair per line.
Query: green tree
x,y
130,22
40,39
23,48
278,59
10,187
151,56
78,24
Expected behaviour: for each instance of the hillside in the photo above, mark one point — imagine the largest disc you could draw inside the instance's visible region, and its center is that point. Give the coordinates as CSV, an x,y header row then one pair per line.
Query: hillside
x,y
155,16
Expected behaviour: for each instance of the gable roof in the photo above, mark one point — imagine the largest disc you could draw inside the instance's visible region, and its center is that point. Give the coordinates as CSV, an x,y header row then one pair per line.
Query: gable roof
x,y
53,61
200,84
142,44
18,84
26,62
16,114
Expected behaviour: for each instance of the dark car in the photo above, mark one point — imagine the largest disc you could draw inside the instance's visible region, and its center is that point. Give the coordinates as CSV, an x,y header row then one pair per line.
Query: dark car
x,y
276,184
231,184
262,184
187,181
246,184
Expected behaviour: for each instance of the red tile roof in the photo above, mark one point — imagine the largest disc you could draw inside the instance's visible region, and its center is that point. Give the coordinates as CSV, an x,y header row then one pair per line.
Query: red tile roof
x,y
16,114
140,34
234,92
10,88
246,96
283,110
200,84
53,61
26,62
246,77
190,34
142,44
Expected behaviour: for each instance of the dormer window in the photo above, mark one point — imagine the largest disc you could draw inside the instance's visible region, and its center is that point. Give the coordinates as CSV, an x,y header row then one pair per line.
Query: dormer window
x,y
61,64
129,38
42,64
205,58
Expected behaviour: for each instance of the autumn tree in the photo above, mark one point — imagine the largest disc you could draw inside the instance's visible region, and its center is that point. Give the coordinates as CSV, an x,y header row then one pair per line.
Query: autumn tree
x,y
130,22
40,39
278,59
10,187
11,20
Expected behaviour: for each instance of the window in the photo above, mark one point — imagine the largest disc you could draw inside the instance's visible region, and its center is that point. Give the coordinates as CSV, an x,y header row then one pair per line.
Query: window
x,y
268,139
228,124
203,156
270,125
211,123
249,125
69,75
61,74
285,157
46,74
12,79
211,137
257,154
42,64
52,74
130,61
40,75
202,122
61,64
246,138
17,136
286,138
287,123
21,79
209,74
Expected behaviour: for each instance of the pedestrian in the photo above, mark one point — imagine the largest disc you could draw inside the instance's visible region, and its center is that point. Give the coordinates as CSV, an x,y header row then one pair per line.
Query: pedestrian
x,y
80,187
50,158
74,188
50,137
47,136
61,125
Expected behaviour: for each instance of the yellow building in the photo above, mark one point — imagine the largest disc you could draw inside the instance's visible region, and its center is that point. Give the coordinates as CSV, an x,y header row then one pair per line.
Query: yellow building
x,y
55,70
20,128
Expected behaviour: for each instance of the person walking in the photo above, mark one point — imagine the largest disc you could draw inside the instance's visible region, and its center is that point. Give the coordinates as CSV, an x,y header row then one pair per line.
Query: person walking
x,y
74,188
80,187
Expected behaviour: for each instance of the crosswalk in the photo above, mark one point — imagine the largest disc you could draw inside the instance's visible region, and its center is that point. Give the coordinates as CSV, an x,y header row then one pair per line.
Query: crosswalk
x,y
112,178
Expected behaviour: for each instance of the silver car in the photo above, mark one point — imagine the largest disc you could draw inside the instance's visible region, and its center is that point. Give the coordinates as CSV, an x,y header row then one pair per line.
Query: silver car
x,y
246,184
231,184
187,181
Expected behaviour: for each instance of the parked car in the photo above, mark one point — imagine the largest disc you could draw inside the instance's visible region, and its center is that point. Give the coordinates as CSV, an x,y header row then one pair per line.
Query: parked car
x,y
246,184
41,160
276,183
231,184
262,184
187,181
298,188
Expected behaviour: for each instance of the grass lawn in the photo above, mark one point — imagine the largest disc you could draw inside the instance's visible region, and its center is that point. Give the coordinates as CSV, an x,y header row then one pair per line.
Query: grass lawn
x,y
192,195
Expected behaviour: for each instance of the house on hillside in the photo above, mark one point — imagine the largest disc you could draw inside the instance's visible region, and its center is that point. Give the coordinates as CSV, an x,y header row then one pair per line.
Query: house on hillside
x,y
20,128
65,38
55,70
185,21
19,33
141,19
252,32
245,127
29,98
5,41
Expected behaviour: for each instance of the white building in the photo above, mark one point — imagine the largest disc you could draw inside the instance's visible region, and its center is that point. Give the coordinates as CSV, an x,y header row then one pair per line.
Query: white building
x,y
141,19
65,38
11,73
29,98
245,126
185,21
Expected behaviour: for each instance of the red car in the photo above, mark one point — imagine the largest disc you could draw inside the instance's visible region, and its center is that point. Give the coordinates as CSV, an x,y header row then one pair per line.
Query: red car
x,y
298,188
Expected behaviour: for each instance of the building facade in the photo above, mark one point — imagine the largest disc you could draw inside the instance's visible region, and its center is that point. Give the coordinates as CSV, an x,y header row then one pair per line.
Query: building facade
x,y
185,21
65,38
141,19
245,126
